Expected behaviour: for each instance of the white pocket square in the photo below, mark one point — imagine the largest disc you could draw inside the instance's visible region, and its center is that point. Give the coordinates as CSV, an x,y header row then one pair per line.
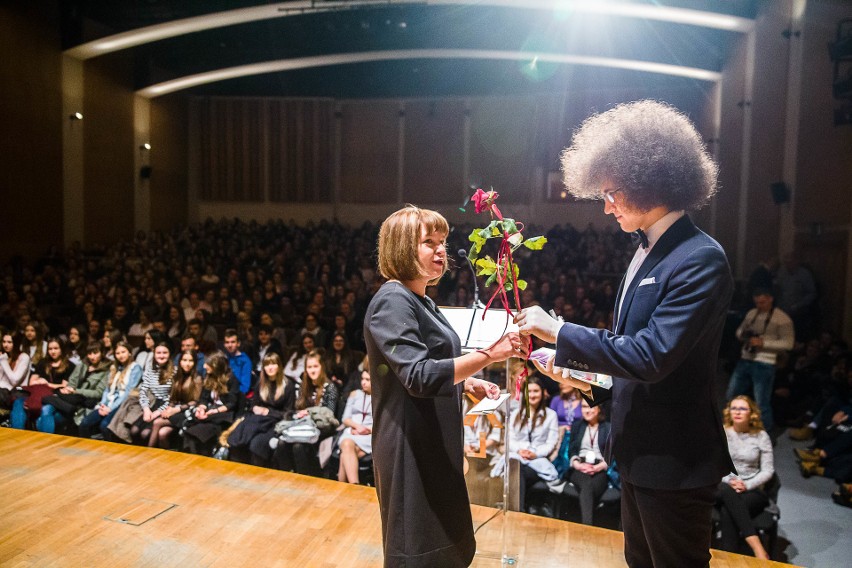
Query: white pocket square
x,y
646,281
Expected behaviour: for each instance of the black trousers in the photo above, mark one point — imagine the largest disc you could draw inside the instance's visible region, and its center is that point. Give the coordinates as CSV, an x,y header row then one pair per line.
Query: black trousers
x,y
590,488
735,514
667,528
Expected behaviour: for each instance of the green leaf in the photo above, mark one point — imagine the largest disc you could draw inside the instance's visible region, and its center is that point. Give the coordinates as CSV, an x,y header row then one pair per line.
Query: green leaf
x,y
522,284
509,226
486,266
491,279
478,240
535,243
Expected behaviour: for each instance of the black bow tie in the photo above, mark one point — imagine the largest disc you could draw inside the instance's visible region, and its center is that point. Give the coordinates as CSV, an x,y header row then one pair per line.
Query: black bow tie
x,y
639,238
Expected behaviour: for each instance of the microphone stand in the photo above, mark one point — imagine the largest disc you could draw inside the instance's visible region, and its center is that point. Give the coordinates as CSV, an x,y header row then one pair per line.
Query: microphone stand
x,y
476,303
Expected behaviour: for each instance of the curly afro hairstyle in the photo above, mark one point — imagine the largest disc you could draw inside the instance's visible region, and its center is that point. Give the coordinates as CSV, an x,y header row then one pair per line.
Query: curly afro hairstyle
x,y
651,152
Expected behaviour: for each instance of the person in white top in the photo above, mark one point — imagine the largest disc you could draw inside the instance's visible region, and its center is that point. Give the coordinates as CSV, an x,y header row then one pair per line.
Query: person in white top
x,y
14,365
356,440
765,332
532,438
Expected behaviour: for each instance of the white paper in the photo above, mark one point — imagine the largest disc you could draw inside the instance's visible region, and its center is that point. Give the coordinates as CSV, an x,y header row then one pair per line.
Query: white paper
x,y
476,332
488,405
543,355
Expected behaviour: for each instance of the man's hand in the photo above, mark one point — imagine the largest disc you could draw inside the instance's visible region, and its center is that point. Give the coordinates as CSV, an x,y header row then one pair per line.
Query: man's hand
x,y
481,389
534,321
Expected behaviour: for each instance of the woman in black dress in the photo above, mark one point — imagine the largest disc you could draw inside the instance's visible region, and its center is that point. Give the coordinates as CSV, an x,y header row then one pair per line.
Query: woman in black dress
x,y
418,376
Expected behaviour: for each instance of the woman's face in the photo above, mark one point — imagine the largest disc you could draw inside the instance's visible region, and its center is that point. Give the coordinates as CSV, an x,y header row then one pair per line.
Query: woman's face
x,y
308,343
535,394
73,335
161,354
122,355
186,363
339,343
366,385
271,369
740,411
173,314
590,413
207,369
432,253
30,332
95,357
7,344
149,342
313,368
565,390
54,351
106,340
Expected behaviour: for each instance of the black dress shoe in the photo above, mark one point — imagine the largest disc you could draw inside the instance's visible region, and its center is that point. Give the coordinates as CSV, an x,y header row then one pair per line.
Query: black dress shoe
x,y
841,500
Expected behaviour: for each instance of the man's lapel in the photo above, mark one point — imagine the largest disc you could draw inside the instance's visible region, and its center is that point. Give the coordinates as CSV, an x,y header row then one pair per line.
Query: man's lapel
x,y
677,233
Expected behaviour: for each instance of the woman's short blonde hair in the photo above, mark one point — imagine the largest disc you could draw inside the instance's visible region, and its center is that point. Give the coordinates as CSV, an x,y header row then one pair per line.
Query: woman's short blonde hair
x,y
399,239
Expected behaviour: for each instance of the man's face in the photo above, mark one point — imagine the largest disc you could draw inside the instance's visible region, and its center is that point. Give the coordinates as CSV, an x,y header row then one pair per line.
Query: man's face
x,y
194,330
263,337
763,302
188,344
120,312
232,344
615,204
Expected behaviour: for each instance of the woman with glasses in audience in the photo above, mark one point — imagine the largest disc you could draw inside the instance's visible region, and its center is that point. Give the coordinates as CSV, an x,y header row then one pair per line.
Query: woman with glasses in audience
x,y
741,495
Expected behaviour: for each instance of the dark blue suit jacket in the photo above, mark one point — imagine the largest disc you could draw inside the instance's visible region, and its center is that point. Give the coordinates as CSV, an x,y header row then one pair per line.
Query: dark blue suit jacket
x,y
666,430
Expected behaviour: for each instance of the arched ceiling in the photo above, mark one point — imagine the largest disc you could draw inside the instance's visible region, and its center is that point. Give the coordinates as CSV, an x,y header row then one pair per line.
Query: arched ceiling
x,y
367,48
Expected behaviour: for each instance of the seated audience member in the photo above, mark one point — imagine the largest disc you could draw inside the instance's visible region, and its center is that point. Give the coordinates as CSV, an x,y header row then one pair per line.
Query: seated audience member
x,y
741,494
295,367
145,355
175,323
588,471
278,333
78,340
316,390
238,361
144,324
353,380
33,343
533,434
183,396
274,398
124,376
313,329
340,361
223,314
153,394
831,455
14,369
84,389
356,440
51,373
216,408
109,340
188,343
265,345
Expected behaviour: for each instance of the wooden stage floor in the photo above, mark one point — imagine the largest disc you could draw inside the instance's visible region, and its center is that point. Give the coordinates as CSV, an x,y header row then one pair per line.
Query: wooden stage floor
x,y
72,502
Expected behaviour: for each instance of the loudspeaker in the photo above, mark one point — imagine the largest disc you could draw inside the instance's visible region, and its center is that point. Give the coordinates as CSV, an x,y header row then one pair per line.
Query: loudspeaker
x,y
780,192
145,172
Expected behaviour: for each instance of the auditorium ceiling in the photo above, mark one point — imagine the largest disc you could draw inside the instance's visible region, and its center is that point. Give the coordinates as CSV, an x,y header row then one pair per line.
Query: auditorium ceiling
x,y
393,48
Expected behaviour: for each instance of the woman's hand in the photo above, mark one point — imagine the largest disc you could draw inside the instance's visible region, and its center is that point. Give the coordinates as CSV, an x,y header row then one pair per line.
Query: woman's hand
x,y
510,345
260,410
737,484
361,430
103,410
201,412
481,389
36,380
147,415
301,414
527,454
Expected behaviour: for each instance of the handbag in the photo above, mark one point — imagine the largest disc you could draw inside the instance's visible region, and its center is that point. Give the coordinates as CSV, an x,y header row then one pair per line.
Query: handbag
x,y
324,419
299,431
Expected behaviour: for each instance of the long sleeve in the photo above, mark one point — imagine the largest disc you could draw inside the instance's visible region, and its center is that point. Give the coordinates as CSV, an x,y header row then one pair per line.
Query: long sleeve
x,y
753,457
546,435
18,376
94,384
134,374
396,329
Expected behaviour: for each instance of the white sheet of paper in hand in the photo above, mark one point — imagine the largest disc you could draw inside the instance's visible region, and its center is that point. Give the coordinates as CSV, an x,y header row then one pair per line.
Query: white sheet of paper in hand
x,y
488,405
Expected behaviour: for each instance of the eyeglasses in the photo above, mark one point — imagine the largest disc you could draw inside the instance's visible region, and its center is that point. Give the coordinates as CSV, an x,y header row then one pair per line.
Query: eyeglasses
x,y
740,409
610,195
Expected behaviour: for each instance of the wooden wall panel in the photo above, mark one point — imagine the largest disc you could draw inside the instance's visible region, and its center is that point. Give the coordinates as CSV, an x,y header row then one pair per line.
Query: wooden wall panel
x,y
169,162
369,152
434,152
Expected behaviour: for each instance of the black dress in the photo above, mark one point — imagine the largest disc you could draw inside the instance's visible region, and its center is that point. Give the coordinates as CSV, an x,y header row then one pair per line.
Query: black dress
x,y
417,432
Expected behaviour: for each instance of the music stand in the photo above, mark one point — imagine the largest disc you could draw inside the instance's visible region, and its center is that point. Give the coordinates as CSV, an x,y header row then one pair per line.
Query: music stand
x,y
478,332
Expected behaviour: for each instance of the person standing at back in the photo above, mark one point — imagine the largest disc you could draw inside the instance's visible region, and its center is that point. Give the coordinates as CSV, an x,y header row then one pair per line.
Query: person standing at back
x,y
648,164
